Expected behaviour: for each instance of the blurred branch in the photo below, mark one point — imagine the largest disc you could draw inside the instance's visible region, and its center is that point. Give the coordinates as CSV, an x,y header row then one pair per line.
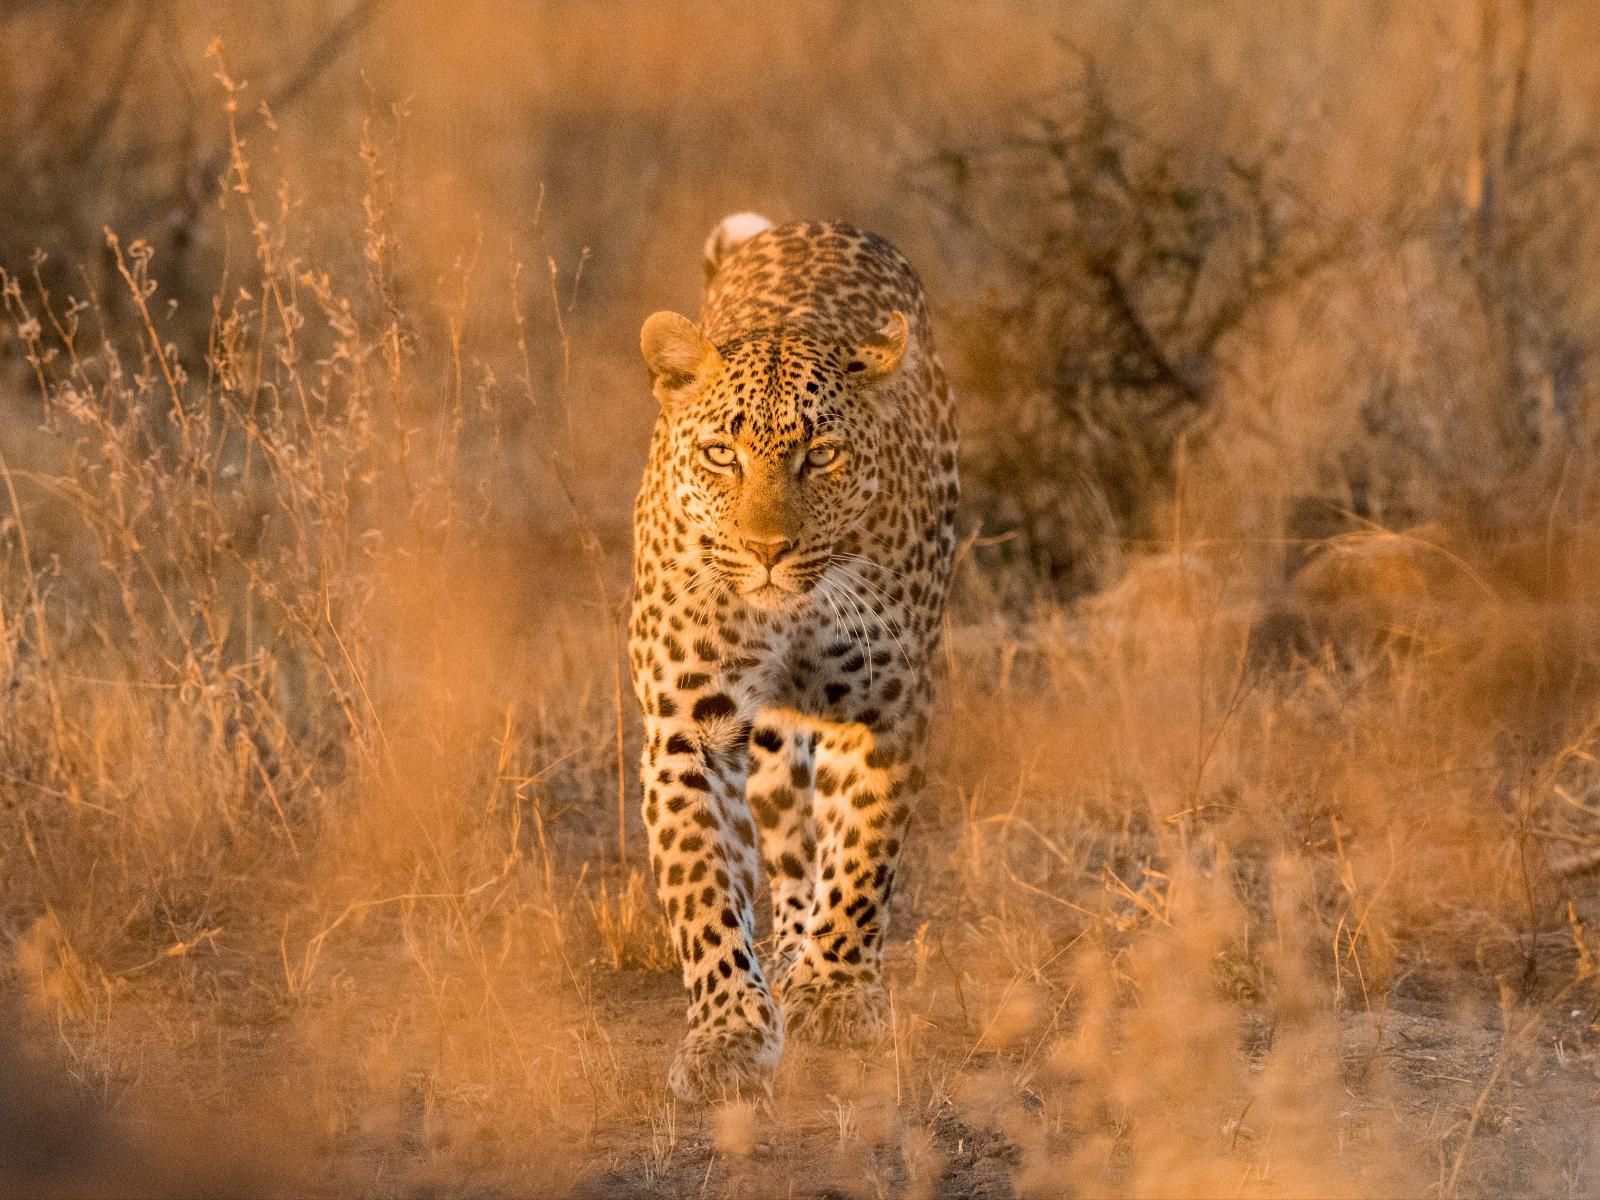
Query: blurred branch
x,y
1519,83
206,176
60,137
325,52
104,115
1148,345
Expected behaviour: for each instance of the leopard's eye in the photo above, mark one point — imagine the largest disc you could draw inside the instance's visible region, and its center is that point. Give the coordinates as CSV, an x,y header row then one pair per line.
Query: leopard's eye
x,y
719,455
822,456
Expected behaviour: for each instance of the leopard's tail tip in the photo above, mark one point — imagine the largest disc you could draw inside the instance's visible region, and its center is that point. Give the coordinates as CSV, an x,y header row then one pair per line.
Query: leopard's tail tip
x,y
732,231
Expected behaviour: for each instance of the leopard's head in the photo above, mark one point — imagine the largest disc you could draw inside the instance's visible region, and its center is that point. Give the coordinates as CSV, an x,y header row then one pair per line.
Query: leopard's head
x,y
774,444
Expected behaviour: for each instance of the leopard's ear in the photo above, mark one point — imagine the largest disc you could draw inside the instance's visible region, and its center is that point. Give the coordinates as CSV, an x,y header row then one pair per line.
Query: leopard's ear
x,y
880,355
677,353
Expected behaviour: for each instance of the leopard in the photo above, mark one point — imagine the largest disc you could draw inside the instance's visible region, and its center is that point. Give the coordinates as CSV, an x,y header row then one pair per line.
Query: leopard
x,y
794,535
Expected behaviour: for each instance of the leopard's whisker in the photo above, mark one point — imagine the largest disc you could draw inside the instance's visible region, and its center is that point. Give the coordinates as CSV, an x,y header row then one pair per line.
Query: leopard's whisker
x,y
886,622
884,616
862,613
864,641
826,594
707,572
845,556
890,625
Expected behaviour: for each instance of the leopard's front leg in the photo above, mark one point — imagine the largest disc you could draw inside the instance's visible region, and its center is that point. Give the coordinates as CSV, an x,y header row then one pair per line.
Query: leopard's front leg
x,y
780,800
869,777
703,854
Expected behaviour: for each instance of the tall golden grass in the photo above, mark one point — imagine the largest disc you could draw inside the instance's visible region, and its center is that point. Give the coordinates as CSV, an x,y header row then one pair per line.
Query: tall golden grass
x,y
1263,870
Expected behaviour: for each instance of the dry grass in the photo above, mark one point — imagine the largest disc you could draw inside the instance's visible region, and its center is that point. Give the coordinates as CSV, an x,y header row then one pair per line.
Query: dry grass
x,y
1266,870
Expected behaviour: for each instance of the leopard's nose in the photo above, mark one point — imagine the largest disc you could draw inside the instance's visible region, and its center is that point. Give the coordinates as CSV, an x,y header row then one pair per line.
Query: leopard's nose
x,y
768,550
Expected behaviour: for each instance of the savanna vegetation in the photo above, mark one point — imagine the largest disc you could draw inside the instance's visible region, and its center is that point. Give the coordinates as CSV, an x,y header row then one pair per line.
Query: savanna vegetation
x,y
1266,804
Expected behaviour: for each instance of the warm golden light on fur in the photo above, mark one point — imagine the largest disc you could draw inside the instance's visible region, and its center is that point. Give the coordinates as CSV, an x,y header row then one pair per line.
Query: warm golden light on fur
x,y
1259,845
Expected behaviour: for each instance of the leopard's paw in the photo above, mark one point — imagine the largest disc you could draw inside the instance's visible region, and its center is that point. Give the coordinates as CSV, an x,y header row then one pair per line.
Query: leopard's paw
x,y
846,1013
736,1060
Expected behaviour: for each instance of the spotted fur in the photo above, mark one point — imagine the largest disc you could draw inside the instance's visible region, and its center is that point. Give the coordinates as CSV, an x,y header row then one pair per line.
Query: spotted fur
x,y
793,540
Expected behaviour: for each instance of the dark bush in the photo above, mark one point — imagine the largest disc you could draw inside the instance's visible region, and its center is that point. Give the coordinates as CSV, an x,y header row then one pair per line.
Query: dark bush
x,y
1126,265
